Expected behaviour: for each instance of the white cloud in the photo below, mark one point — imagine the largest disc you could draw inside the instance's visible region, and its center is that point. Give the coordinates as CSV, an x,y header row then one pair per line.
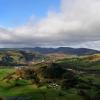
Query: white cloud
x,y
78,23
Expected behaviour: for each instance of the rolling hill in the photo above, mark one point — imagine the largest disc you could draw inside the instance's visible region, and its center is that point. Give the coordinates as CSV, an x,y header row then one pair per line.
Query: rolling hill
x,y
64,50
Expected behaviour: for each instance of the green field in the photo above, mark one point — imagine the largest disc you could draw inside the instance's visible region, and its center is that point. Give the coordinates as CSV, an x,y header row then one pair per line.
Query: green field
x,y
32,91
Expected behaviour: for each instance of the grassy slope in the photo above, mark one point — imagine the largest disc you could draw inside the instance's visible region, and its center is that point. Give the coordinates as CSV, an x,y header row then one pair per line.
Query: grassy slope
x,y
7,89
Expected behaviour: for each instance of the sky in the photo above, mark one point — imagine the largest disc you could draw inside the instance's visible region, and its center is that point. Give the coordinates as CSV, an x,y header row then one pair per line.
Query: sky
x,y
50,23
17,12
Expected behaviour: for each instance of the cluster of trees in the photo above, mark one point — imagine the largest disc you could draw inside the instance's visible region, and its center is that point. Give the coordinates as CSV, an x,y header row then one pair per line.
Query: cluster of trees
x,y
53,71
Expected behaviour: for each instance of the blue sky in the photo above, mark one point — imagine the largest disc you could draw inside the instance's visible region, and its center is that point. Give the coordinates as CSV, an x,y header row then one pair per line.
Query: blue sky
x,y
15,12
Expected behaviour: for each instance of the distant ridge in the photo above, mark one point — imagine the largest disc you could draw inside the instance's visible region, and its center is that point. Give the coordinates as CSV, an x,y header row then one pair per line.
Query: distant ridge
x,y
64,50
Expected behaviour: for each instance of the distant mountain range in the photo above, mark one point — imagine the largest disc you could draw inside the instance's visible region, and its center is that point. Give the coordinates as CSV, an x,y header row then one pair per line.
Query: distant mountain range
x,y
64,50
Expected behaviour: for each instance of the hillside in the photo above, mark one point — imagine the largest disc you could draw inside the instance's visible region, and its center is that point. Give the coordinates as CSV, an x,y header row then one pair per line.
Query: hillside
x,y
63,50
19,57
52,76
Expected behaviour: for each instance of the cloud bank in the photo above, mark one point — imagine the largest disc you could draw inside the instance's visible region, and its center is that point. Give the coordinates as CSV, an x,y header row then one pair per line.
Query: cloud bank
x,y
77,24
